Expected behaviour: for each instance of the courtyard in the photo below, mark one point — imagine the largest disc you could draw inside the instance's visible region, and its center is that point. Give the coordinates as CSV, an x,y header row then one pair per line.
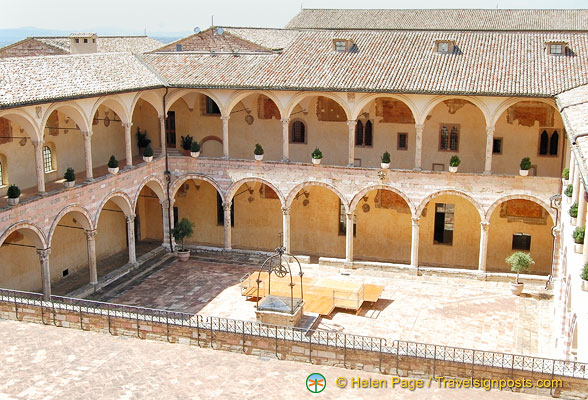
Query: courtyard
x,y
442,310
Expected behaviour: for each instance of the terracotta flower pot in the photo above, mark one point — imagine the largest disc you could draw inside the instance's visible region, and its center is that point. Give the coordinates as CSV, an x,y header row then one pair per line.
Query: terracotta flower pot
x,y
12,201
69,184
183,255
516,288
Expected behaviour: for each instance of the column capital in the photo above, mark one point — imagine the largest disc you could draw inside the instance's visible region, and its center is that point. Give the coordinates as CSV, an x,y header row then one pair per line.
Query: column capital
x,y
285,121
351,123
419,127
490,130
127,124
44,253
161,117
37,143
164,203
91,234
227,206
416,221
225,117
87,134
484,225
130,218
286,210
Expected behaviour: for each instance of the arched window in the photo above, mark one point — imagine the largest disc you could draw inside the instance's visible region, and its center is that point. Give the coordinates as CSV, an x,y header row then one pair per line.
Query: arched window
x,y
368,136
359,134
297,132
543,143
47,159
1,174
554,143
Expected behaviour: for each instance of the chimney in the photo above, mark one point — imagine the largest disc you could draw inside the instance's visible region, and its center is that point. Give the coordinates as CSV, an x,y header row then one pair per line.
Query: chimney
x,y
83,43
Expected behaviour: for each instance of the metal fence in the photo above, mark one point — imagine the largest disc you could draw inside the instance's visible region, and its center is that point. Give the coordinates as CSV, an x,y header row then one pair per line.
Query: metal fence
x,y
398,348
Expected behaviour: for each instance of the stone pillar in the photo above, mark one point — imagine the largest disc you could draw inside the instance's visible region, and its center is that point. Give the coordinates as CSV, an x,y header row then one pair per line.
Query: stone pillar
x,y
162,137
131,238
286,228
128,143
227,212
581,221
484,225
91,240
88,154
584,256
418,148
576,182
285,140
166,224
349,239
572,166
39,170
225,119
45,272
489,147
351,129
414,247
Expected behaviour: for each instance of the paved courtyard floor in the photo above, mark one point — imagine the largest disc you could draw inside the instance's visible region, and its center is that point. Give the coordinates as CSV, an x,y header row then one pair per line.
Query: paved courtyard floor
x,y
44,362
438,310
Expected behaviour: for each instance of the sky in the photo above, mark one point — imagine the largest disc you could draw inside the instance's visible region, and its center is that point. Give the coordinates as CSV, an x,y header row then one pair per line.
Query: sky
x,y
136,17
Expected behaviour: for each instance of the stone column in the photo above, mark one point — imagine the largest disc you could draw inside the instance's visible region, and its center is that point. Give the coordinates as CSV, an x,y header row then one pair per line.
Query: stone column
x,y
489,147
414,247
39,170
584,256
91,240
576,182
45,272
351,129
285,140
128,143
225,119
131,238
88,154
166,224
418,148
162,137
227,212
286,228
484,225
581,221
349,239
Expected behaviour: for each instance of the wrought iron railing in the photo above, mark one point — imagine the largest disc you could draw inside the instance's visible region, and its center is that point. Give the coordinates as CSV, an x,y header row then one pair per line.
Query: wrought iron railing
x,y
337,340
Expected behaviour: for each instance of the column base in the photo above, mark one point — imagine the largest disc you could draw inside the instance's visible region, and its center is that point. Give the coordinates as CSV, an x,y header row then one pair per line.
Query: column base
x,y
225,158
417,169
348,264
90,179
350,165
286,160
481,276
415,271
487,173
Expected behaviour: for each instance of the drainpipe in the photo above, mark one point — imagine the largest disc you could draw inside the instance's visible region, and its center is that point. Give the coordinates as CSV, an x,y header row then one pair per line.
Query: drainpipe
x,y
167,174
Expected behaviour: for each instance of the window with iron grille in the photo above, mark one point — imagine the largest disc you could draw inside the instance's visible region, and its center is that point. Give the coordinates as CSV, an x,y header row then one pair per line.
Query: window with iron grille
x,y
449,137
297,132
211,107
521,241
402,143
47,159
364,134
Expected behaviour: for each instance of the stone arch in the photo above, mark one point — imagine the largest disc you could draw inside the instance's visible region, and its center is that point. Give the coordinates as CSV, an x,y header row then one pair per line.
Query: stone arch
x,y
121,199
38,237
437,100
240,95
85,220
151,97
453,192
301,96
115,105
357,197
154,183
72,110
365,100
184,178
297,188
534,199
25,121
506,104
236,185
181,93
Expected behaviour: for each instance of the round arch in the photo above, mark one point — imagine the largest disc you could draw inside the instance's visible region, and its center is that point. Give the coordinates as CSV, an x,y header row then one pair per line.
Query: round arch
x,y
365,100
451,192
236,185
115,105
25,121
154,183
534,199
301,96
437,100
85,219
184,178
506,104
183,92
119,198
297,188
240,95
37,236
151,97
72,110
358,196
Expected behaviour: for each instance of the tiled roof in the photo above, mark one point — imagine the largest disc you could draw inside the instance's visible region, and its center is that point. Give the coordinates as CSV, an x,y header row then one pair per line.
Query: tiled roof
x,y
267,37
108,44
37,79
444,19
484,63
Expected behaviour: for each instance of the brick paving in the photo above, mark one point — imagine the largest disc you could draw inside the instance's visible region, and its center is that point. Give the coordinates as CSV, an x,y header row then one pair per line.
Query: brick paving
x,y
45,362
438,310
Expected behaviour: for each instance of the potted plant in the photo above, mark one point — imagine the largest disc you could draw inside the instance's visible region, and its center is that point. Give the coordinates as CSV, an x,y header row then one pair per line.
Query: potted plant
x,y
317,156
13,194
569,191
195,149
70,178
584,276
573,212
148,154
579,239
113,165
187,144
454,163
142,141
258,152
566,175
525,166
519,262
385,164
183,229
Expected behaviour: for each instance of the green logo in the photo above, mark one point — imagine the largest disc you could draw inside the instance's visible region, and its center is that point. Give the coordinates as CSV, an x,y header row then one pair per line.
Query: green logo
x,y
316,383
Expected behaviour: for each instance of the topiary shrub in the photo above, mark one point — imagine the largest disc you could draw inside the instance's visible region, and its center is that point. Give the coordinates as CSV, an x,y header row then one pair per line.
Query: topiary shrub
x,y
526,163
584,274
386,158
13,192
454,161
258,150
569,191
317,154
112,162
183,230
148,152
566,174
579,235
187,142
519,262
195,147
69,175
